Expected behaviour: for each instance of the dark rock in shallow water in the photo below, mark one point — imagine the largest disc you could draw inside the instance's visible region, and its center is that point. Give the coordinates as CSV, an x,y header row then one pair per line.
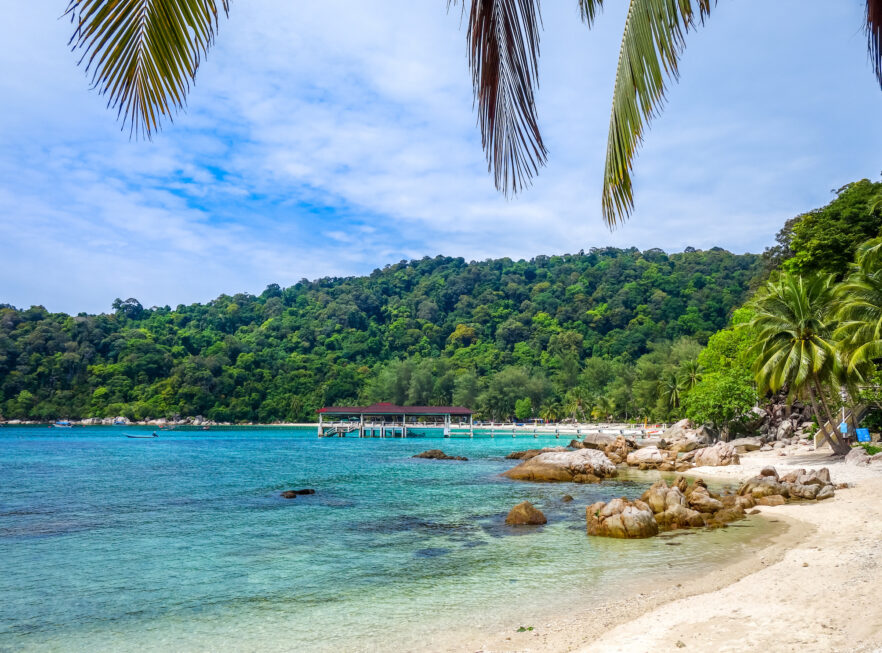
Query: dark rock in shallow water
x,y
431,552
437,454
292,494
566,498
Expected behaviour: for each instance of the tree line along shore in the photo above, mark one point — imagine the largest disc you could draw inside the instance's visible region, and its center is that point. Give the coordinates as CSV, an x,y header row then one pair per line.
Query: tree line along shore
x,y
607,334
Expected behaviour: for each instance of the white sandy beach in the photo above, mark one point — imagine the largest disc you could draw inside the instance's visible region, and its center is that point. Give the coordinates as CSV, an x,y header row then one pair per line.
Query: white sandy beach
x,y
815,587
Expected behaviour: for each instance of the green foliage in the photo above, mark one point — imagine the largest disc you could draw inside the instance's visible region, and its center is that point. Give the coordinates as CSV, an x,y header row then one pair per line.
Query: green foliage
x,y
825,240
590,334
523,408
725,391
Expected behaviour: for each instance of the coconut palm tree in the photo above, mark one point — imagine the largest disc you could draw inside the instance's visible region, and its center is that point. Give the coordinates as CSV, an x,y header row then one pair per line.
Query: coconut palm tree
x,y
794,345
860,309
144,54
690,374
670,389
550,412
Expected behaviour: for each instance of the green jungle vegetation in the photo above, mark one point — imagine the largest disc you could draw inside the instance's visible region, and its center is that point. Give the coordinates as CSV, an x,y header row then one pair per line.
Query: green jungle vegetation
x,y
607,333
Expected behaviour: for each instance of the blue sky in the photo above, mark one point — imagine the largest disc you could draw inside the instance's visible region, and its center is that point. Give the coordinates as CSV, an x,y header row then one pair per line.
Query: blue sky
x,y
329,137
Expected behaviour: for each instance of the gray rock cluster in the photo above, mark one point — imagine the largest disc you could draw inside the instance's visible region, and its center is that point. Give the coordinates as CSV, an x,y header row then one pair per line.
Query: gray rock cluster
x,y
771,489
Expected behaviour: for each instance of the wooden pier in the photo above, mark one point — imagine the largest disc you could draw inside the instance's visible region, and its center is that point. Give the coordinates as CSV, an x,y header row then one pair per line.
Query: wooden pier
x,y
385,420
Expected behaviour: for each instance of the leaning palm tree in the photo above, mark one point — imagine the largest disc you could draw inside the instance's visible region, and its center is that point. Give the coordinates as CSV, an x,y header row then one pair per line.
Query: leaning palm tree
x,y
860,309
550,412
144,54
794,346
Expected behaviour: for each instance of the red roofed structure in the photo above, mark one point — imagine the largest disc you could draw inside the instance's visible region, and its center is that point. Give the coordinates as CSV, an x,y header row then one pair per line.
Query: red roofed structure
x,y
387,418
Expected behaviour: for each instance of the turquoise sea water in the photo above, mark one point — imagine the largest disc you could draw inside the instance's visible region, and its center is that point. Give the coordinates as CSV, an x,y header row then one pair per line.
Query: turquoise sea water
x,y
183,543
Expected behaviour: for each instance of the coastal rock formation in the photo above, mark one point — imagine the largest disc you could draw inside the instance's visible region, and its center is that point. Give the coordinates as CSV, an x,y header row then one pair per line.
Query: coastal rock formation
x,y
670,507
683,437
599,441
771,490
437,454
618,450
525,514
718,455
532,453
581,466
621,518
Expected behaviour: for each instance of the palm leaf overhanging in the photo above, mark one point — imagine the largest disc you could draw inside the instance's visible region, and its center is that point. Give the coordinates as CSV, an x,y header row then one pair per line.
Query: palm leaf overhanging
x,y
143,54
503,38
651,46
874,35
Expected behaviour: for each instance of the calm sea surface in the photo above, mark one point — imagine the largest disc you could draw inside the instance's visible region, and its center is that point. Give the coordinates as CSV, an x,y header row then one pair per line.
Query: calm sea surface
x,y
183,543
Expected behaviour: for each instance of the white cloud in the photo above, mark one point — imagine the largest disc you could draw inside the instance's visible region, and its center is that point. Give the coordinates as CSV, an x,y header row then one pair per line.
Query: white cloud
x,y
332,137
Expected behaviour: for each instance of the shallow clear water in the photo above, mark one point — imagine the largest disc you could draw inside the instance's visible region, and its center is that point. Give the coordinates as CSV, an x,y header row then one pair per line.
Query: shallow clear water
x,y
183,543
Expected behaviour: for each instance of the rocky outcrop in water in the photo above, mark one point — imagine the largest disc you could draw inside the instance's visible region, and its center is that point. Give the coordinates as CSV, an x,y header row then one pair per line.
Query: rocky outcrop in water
x,y
437,454
581,466
532,453
525,514
621,518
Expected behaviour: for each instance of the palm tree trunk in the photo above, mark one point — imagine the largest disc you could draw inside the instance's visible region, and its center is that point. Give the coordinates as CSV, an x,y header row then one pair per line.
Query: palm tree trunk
x,y
818,417
839,446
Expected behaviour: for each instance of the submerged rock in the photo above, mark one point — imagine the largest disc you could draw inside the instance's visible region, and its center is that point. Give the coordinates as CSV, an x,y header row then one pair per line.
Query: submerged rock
x,y
525,514
581,466
293,494
437,454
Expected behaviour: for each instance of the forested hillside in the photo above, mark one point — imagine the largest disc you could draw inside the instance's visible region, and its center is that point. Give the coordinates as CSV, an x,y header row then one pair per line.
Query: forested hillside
x,y
590,333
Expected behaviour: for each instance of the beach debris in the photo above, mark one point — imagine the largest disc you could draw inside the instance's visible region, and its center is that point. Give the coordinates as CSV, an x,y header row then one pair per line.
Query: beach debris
x,y
524,629
580,466
293,494
437,454
621,518
525,514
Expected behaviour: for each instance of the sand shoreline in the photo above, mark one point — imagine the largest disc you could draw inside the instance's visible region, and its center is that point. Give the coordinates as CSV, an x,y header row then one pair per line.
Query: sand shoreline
x,y
813,587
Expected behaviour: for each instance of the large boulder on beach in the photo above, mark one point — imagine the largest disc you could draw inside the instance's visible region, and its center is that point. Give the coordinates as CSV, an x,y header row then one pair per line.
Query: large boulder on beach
x,y
437,454
621,518
701,500
717,455
525,514
646,456
678,430
581,466
857,456
743,445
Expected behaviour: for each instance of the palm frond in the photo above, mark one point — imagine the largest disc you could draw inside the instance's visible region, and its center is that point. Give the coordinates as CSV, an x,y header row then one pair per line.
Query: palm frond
x,y
650,50
143,54
503,39
874,36
589,10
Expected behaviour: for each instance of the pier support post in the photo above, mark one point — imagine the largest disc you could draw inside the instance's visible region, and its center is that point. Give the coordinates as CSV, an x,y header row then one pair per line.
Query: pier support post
x,y
321,432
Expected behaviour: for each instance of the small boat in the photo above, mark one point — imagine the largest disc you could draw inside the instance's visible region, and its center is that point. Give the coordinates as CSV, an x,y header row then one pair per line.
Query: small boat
x,y
151,436
62,424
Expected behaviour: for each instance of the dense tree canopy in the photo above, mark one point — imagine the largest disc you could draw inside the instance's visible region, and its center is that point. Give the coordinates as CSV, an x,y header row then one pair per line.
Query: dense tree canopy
x,y
591,334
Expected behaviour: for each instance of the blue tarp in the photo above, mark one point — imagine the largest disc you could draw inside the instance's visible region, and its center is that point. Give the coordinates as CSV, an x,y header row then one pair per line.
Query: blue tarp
x,y
863,435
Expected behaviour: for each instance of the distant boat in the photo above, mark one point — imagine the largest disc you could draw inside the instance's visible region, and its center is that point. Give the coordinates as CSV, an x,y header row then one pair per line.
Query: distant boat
x,y
63,424
132,435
